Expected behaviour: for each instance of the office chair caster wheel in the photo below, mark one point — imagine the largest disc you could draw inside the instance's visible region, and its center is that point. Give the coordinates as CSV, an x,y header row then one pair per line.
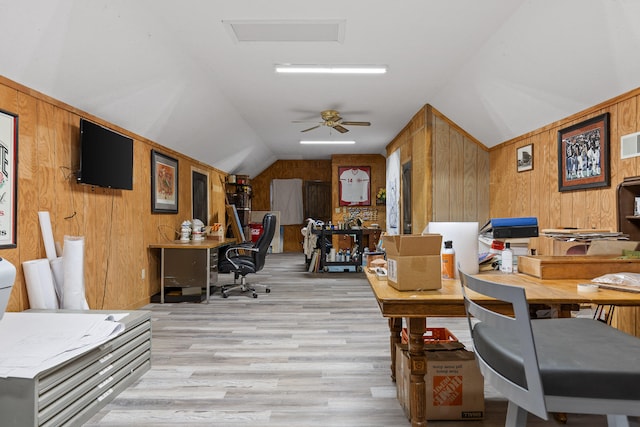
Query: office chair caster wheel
x,y
225,295
255,295
267,290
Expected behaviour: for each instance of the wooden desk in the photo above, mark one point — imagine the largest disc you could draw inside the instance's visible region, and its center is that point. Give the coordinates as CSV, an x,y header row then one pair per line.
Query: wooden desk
x,y
205,245
416,306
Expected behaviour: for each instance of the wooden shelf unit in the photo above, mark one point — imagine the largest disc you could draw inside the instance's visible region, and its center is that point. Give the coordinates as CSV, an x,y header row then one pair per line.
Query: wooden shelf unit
x,y
628,222
239,194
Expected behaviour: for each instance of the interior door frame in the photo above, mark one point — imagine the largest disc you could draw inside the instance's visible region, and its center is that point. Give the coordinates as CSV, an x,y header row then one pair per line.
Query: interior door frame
x,y
197,176
407,213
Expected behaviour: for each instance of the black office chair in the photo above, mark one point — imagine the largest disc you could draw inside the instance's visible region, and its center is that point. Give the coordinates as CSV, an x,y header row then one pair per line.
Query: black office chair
x,y
245,258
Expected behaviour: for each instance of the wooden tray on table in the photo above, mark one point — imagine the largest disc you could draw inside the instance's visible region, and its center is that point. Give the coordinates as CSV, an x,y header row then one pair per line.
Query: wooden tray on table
x,y
575,267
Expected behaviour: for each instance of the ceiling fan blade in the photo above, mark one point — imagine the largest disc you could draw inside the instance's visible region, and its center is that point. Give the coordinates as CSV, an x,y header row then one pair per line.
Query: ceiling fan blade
x,y
340,129
311,128
356,123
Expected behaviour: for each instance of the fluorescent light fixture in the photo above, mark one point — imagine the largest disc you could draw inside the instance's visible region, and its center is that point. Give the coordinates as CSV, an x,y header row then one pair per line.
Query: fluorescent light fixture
x,y
326,142
331,69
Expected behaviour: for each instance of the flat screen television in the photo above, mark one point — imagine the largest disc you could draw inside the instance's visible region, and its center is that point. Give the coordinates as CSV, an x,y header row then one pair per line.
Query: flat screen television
x,y
106,157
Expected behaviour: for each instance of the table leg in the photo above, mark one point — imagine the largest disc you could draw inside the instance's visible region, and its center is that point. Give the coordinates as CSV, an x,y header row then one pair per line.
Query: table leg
x,y
395,328
564,310
207,273
162,276
418,365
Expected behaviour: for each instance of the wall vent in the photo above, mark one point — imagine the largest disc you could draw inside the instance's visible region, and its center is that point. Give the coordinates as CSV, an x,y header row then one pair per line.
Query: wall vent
x,y
317,30
630,145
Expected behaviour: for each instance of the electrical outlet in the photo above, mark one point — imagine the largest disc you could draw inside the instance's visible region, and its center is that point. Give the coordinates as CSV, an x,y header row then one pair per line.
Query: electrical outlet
x,y
143,274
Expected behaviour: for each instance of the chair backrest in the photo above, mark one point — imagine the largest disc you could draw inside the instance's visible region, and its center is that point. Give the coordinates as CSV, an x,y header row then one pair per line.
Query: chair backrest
x,y
263,242
522,385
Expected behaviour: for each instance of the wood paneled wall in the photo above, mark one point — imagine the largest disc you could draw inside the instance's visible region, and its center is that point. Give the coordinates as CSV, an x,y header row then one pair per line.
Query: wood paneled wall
x,y
450,170
307,170
535,192
378,179
117,225
316,170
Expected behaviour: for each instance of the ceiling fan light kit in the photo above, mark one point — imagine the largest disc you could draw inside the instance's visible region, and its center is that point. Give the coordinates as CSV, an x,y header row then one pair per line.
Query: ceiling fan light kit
x,y
332,119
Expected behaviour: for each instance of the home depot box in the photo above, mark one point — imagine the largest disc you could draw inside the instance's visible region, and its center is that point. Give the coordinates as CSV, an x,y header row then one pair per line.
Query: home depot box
x,y
413,261
454,384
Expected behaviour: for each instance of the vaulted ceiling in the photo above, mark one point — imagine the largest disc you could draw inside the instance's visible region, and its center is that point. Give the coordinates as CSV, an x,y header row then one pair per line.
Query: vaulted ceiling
x,y
176,73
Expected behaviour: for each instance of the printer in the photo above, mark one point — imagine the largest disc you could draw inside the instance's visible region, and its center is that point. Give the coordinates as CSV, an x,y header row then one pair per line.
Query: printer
x,y
7,278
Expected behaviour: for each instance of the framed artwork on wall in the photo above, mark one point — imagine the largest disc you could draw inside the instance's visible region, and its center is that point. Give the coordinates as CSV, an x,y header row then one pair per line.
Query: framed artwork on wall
x,y
525,158
583,155
164,183
8,179
355,183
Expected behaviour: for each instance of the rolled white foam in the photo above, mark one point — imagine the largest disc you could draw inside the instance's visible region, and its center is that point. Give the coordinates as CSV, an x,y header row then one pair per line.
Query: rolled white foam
x,y
47,235
73,286
57,268
39,281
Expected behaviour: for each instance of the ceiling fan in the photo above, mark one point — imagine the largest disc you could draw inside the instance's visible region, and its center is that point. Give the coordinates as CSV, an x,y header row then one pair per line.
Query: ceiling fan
x,y
332,119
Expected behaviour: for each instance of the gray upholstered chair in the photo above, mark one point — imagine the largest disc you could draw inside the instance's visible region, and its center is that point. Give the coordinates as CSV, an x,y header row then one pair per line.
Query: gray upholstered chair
x,y
567,365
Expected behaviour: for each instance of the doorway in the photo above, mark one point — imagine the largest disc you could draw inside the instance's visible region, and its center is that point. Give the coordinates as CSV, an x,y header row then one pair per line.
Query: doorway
x,y
406,198
317,200
200,196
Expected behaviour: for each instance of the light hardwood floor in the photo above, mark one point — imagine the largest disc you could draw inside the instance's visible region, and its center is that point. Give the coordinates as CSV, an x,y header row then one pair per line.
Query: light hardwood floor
x,y
313,352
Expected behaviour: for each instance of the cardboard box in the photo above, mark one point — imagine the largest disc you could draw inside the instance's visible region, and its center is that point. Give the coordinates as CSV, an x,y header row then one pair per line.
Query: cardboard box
x,y
562,248
454,384
413,261
373,256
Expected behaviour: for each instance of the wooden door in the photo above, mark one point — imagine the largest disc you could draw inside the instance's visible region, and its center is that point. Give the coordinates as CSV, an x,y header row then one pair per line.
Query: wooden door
x,y
317,200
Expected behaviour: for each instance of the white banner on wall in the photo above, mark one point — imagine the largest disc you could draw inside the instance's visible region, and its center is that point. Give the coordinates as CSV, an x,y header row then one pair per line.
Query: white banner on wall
x,y
393,193
286,197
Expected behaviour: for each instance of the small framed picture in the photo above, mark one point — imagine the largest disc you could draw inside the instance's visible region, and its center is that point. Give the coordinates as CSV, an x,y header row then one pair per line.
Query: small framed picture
x,y
525,158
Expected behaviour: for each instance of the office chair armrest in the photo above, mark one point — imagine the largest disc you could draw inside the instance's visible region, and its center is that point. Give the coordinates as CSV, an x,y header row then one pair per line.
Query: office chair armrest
x,y
236,249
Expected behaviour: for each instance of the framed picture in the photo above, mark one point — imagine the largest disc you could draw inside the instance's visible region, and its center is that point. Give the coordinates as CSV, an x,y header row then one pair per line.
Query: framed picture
x,y
525,158
583,155
8,179
355,182
164,183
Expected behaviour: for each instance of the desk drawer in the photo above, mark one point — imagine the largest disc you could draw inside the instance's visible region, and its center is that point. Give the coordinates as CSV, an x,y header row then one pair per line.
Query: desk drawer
x,y
213,266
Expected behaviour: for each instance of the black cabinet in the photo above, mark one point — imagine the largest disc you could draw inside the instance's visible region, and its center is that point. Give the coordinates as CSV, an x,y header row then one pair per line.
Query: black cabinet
x,y
354,261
